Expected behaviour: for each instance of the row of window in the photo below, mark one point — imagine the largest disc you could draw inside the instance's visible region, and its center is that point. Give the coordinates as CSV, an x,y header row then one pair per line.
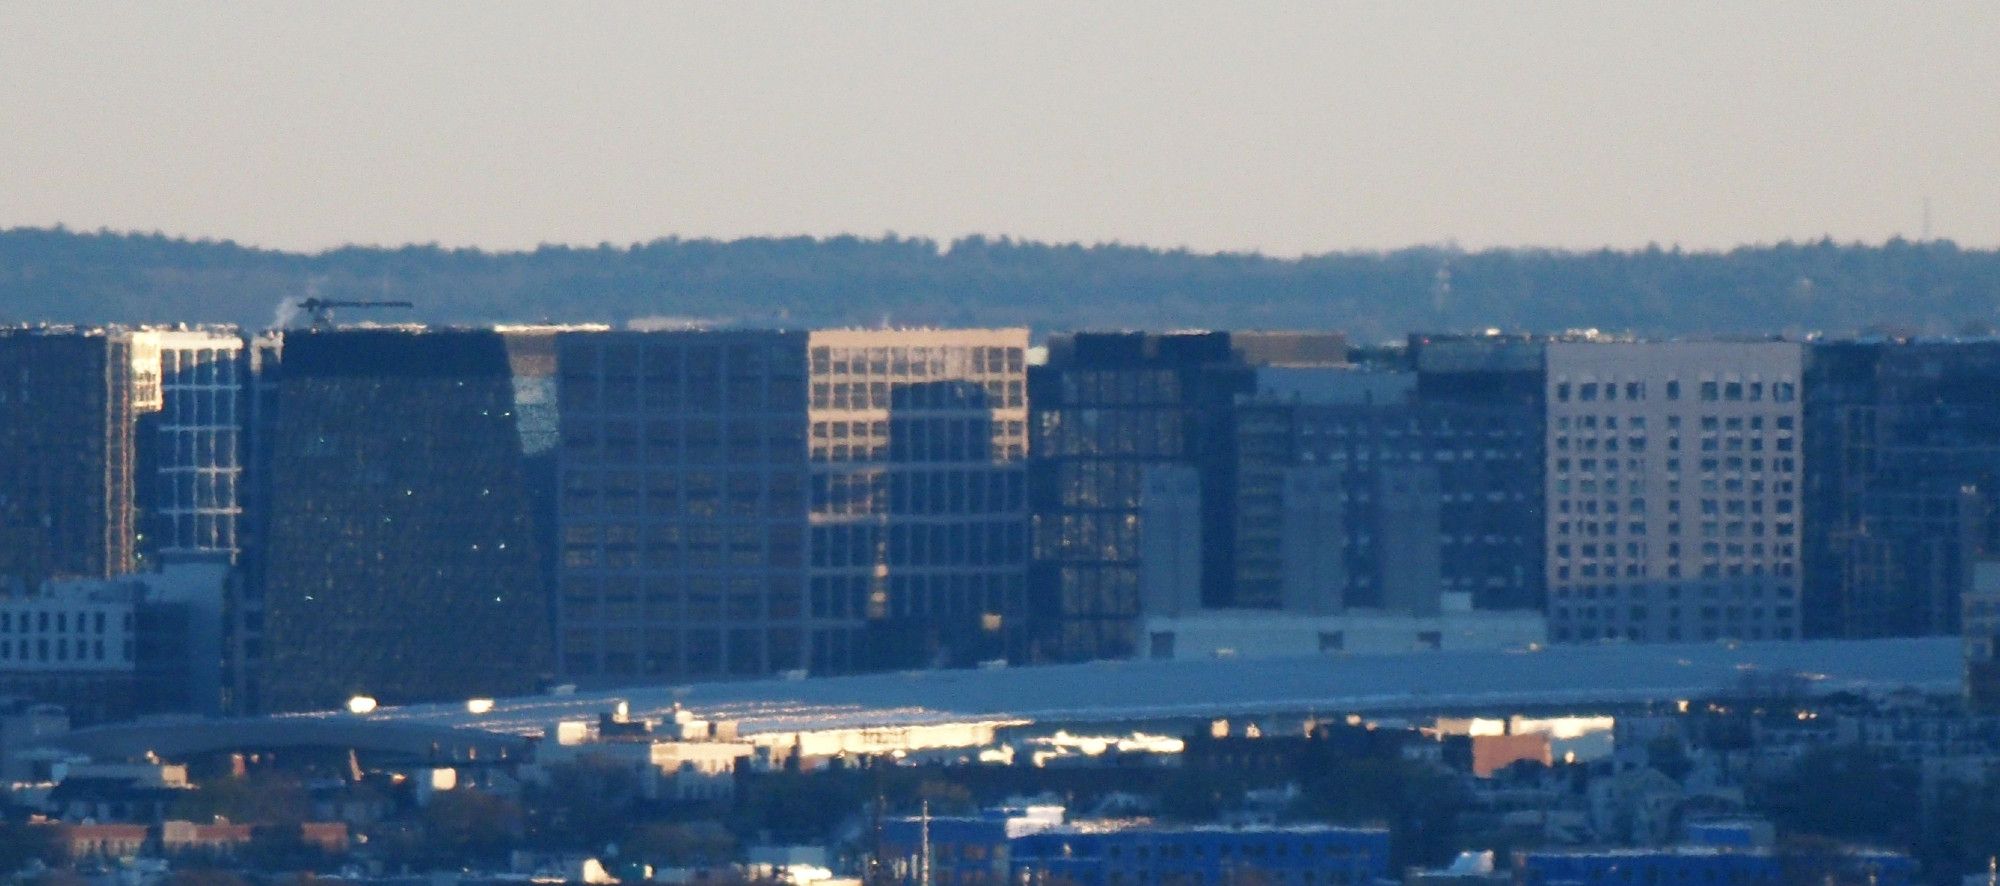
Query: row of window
x,y
1590,571
1754,590
919,493
44,650
58,621
919,361
1709,528
1674,613
933,396
1708,423
1672,633
1637,443
668,395
1708,391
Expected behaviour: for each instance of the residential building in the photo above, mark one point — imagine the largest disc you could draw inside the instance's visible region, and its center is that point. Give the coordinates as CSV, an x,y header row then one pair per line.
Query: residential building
x,y
1673,490
72,643
399,551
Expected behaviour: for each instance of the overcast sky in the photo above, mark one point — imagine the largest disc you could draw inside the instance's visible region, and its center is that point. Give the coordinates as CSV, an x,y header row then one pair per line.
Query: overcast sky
x,y
1281,127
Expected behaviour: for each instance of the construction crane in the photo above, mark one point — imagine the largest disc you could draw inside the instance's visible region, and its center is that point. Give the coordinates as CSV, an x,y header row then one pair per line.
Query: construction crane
x,y
321,309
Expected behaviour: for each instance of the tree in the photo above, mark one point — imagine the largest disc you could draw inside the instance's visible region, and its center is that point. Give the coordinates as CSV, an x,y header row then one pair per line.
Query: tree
x,y
472,825
22,845
679,844
586,803
204,877
1666,754
1848,793
1420,804
257,798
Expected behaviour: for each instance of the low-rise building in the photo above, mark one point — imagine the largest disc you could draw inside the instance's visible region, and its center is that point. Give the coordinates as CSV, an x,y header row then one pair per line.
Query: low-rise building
x,y
102,841
1270,633
1097,854
219,838
684,759
1708,866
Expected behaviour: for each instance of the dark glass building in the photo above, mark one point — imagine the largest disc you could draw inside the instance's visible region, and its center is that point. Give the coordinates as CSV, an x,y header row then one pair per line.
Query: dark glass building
x,y
1106,409
68,409
398,551
1902,484
1499,381
1478,530
738,503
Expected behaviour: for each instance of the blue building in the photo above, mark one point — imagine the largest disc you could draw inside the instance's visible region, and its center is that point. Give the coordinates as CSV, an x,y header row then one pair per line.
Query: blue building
x,y
1114,855
1032,846
964,851
1705,866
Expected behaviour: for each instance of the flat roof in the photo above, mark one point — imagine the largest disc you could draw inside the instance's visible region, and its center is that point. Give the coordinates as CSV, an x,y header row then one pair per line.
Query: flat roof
x,y
1125,691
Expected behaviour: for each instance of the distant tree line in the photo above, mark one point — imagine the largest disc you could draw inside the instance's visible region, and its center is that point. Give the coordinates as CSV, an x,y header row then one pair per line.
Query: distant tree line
x,y
57,275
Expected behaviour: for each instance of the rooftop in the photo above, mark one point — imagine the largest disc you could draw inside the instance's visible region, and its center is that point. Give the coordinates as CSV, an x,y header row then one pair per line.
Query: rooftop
x,y
1124,691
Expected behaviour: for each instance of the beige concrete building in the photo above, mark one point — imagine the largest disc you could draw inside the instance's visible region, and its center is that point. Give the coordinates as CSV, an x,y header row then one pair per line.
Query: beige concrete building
x,y
1673,490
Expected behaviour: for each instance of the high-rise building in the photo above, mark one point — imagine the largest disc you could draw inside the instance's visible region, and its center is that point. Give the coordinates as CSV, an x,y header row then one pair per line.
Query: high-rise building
x,y
918,502
1980,635
1902,488
683,515
1499,379
67,412
1673,490
738,503
1108,408
1476,530
190,443
397,548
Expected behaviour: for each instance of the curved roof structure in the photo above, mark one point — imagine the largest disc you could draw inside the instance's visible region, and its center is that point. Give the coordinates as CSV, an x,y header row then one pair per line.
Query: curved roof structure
x,y
1147,690
179,738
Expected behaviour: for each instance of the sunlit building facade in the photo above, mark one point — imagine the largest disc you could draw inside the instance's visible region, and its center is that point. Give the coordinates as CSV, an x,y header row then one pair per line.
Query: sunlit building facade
x,y
1673,490
918,501
191,441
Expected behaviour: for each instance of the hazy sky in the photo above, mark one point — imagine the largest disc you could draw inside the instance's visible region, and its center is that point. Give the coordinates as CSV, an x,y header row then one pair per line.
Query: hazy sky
x,y
1228,125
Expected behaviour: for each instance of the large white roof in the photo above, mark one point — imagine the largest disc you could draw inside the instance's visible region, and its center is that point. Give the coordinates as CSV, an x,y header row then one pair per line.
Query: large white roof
x,y
1146,690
